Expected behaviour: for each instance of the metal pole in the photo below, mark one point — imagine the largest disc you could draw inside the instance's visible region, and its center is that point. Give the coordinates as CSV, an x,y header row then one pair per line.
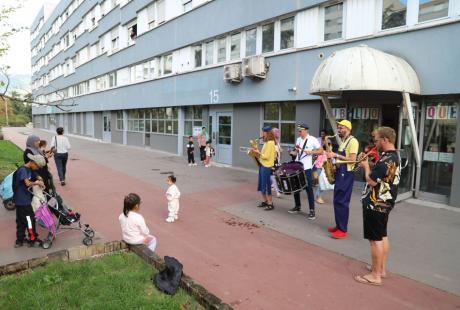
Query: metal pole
x,y
410,118
331,117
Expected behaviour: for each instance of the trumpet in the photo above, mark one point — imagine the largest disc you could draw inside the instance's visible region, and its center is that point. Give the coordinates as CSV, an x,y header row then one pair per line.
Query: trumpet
x,y
355,162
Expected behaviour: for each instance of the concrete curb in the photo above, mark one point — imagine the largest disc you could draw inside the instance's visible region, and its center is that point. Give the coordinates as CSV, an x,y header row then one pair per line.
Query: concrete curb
x,y
205,298
71,254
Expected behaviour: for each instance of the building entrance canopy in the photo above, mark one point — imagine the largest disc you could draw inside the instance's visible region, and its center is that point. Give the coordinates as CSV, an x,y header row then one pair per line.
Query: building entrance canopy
x,y
366,69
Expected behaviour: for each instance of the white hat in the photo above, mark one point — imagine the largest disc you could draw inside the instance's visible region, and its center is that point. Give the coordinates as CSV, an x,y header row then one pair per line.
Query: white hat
x,y
38,159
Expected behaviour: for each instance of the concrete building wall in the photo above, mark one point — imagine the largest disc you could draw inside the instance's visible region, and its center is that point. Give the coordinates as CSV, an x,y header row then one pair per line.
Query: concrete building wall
x,y
78,119
165,143
98,125
246,126
135,138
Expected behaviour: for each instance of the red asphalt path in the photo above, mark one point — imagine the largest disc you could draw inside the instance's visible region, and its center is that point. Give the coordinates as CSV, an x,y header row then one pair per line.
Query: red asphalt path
x,y
248,267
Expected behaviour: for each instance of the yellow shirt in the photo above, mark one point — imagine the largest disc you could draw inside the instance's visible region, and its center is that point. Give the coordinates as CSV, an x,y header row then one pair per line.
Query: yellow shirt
x,y
268,154
351,148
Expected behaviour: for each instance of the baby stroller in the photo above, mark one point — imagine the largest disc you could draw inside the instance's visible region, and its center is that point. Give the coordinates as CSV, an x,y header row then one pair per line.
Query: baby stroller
x,y
6,192
53,207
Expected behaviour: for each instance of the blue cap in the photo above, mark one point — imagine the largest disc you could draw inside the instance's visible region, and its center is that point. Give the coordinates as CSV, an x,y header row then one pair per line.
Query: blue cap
x,y
266,128
302,126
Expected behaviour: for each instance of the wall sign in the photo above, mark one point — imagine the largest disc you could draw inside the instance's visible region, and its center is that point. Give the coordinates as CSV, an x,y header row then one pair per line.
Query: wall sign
x,y
441,112
365,113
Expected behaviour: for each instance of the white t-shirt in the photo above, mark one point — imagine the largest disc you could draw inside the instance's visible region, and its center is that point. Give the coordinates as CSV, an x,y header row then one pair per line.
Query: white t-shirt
x,y
133,228
312,144
62,144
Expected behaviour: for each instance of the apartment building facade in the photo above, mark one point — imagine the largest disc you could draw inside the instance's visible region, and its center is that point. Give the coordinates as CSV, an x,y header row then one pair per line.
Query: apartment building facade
x,y
151,73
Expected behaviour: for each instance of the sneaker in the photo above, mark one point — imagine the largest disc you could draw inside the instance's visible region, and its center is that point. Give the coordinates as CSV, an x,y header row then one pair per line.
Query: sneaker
x,y
278,195
19,244
311,215
189,165
294,210
332,229
170,219
176,217
338,234
194,164
63,183
319,200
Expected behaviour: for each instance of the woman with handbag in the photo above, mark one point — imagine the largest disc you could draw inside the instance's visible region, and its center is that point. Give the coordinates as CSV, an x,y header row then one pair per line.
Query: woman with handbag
x,y
60,146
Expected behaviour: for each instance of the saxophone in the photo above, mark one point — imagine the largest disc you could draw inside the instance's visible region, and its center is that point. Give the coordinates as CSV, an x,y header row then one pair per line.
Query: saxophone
x,y
254,144
328,165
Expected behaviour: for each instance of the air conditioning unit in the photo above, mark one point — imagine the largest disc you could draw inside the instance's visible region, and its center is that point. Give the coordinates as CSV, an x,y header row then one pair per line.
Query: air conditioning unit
x,y
255,67
232,73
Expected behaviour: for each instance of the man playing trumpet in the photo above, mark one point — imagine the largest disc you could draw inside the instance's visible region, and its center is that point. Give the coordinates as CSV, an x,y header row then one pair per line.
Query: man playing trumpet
x,y
378,200
344,179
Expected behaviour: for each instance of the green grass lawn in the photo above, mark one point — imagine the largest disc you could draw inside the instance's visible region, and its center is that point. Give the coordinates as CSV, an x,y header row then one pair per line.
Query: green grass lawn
x,y
118,281
9,155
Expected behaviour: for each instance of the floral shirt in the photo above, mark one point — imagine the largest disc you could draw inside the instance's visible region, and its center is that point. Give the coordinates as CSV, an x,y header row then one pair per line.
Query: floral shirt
x,y
386,173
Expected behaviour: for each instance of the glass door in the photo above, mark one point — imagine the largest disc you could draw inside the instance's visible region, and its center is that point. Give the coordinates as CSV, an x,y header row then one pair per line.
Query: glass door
x,y
106,131
439,131
406,153
224,138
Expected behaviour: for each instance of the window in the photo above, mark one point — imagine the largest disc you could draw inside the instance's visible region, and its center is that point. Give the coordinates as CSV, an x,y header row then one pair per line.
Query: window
x,y
432,9
251,36
209,53
66,40
268,38
132,33
162,120
112,79
287,33
136,120
151,15
193,118
197,55
161,11
235,46
282,116
222,50
119,120
187,5
167,64
393,13
333,22
114,38
137,73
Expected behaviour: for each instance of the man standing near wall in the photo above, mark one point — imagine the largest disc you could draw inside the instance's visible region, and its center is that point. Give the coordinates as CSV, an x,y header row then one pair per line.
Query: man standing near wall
x,y
344,179
378,200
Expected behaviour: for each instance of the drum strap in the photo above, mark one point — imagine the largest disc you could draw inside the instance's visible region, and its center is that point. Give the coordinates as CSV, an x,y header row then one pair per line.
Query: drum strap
x,y
302,154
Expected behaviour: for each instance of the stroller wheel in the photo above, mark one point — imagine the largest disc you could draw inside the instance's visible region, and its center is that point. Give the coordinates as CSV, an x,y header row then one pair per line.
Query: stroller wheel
x,y
9,204
89,232
87,241
46,245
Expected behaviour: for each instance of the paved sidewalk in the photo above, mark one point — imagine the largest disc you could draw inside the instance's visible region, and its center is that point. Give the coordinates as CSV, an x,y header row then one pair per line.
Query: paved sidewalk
x,y
250,258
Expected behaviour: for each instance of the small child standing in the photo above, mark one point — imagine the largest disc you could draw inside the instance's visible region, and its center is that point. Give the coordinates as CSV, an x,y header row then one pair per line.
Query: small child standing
x,y
133,227
173,195
209,153
190,151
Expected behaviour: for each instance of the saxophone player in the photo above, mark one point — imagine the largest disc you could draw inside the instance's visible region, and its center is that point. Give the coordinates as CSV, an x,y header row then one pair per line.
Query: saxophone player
x,y
344,179
267,160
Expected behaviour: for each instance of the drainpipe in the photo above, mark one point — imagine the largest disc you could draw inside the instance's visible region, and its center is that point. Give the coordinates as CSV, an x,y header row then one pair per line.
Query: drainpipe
x,y
410,117
331,117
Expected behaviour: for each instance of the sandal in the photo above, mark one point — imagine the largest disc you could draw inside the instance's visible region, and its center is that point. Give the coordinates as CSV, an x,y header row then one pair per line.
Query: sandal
x,y
365,280
263,204
269,207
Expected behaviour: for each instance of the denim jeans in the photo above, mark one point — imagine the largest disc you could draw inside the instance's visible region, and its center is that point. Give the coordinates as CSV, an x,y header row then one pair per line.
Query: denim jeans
x,y
61,163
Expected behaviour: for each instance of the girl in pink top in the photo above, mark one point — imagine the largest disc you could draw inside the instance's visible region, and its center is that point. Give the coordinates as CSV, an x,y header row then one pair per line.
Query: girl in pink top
x,y
133,227
318,165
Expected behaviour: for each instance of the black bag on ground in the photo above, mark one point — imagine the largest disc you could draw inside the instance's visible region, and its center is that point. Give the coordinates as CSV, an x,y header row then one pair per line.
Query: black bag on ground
x,y
168,279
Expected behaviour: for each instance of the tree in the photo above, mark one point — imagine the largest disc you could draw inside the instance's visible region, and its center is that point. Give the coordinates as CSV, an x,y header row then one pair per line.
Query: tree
x,y
6,29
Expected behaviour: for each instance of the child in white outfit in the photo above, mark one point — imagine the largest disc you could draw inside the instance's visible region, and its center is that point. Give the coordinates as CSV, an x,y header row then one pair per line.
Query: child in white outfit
x,y
133,227
173,195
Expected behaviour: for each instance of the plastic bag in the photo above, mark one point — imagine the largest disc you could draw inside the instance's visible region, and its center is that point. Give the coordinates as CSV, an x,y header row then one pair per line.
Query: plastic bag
x,y
324,184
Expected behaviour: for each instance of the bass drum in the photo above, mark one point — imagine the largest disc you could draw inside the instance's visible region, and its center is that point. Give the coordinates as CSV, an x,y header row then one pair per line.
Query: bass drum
x,y
291,178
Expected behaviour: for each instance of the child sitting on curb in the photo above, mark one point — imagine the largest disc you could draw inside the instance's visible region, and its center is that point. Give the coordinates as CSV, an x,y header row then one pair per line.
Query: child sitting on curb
x,y
133,227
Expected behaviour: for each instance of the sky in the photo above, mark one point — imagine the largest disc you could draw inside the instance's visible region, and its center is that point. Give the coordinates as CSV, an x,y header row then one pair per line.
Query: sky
x,y
18,57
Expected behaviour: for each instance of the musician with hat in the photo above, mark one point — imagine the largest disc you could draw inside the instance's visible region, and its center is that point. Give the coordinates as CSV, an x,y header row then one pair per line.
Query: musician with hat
x,y
344,179
267,160
306,146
